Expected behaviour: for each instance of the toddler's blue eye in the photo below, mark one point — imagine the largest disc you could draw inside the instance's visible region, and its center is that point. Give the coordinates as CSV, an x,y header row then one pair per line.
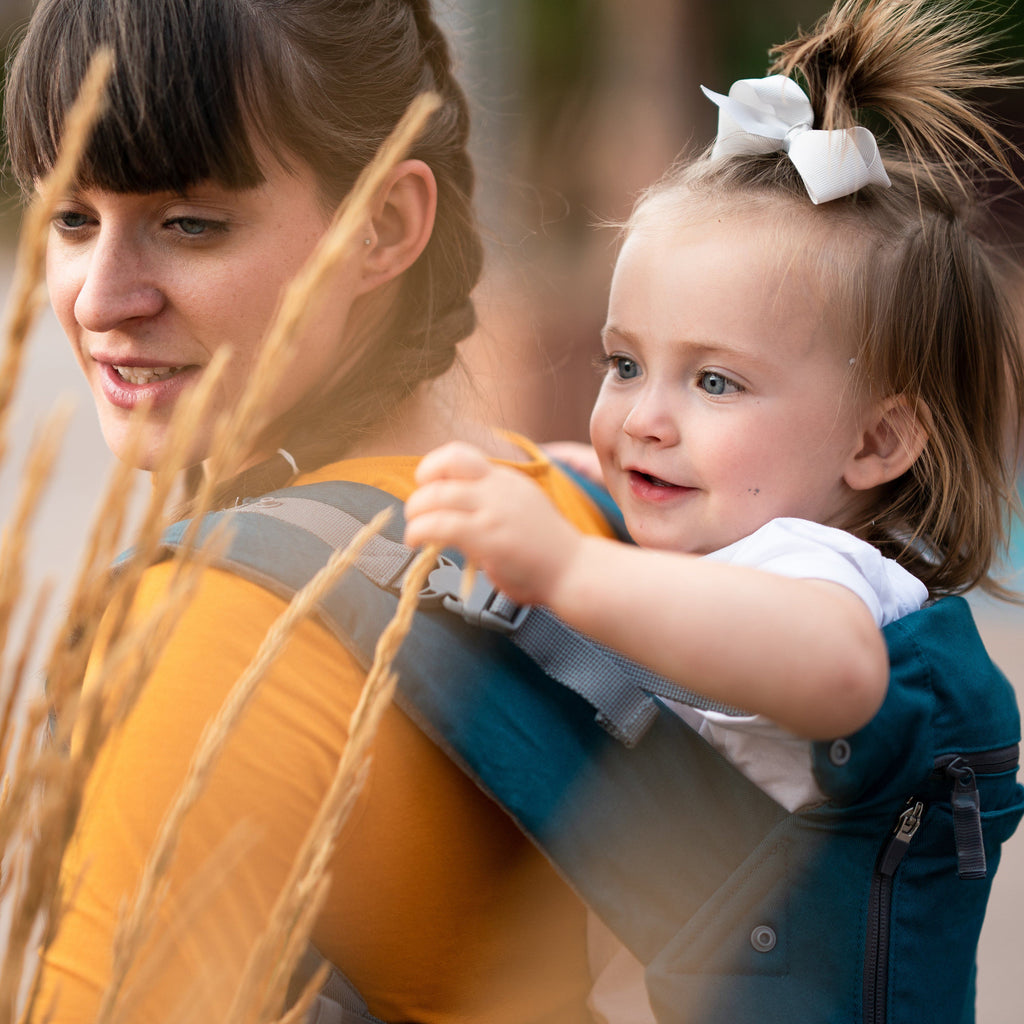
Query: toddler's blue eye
x,y
625,368
716,383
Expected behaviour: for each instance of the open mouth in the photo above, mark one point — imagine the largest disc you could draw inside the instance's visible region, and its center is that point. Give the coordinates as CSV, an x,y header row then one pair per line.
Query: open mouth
x,y
654,481
140,375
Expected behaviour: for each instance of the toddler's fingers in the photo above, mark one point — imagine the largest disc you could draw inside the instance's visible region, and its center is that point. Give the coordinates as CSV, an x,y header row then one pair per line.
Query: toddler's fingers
x,y
441,494
453,460
437,526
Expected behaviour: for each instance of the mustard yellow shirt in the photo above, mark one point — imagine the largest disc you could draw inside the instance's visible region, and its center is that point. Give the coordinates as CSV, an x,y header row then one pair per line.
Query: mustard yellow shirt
x,y
439,910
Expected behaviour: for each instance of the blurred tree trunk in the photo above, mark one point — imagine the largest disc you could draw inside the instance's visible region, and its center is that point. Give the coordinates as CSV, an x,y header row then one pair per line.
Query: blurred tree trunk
x,y
604,109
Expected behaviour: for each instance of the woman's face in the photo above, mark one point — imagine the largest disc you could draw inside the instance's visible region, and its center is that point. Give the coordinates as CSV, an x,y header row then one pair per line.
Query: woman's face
x,y
147,287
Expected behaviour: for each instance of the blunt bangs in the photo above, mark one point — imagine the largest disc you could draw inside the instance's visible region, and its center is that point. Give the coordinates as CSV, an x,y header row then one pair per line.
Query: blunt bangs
x,y
175,114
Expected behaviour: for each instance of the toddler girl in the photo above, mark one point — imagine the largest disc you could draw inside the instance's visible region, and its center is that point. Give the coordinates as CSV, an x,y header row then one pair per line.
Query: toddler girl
x,y
811,381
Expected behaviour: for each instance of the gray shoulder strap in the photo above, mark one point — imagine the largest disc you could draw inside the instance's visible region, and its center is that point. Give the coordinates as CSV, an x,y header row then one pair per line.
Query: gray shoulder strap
x,y
338,1002
620,690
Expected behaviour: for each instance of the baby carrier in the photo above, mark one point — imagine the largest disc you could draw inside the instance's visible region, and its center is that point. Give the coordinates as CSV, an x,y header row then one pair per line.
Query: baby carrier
x,y
864,909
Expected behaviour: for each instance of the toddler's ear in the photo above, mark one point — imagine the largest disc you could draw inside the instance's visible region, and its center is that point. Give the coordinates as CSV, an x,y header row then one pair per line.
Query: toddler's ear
x,y
894,436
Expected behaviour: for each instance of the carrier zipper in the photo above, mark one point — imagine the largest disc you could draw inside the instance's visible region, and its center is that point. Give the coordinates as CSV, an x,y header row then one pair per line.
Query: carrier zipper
x,y
962,770
876,957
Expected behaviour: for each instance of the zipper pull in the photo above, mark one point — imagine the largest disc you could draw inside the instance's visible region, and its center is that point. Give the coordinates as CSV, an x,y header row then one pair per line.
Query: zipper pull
x,y
906,828
966,804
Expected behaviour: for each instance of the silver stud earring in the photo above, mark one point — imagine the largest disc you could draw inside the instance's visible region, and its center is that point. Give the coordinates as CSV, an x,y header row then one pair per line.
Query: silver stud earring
x,y
366,241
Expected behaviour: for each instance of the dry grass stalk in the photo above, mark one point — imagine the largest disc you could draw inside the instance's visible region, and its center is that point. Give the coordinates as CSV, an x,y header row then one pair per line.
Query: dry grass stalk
x,y
131,654
99,595
190,902
131,647
135,927
307,899
14,535
232,443
14,683
269,967
28,293
297,1013
195,406
40,828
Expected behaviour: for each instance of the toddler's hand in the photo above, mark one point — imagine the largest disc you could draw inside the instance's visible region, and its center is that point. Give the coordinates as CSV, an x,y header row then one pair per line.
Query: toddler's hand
x,y
497,516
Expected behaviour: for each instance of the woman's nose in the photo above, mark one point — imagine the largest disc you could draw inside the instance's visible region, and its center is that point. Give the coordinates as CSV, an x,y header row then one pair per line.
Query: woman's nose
x,y
653,419
116,287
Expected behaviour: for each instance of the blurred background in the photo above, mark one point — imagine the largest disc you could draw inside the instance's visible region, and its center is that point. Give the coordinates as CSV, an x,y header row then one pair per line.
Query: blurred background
x,y
577,105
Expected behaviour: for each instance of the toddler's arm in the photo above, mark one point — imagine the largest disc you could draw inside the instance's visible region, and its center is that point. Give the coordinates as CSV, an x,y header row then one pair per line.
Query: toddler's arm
x,y
805,653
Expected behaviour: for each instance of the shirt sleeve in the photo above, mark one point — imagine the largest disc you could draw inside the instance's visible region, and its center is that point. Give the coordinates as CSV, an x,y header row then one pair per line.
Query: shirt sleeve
x,y
776,760
801,549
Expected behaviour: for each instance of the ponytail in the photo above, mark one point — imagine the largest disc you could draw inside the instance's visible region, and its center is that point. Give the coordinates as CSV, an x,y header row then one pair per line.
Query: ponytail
x,y
909,63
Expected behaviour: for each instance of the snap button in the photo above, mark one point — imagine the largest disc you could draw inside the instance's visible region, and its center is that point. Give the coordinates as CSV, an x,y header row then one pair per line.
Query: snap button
x,y
839,752
763,938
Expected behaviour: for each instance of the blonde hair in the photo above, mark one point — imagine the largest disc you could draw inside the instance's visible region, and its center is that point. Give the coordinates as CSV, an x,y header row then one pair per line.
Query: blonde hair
x,y
925,293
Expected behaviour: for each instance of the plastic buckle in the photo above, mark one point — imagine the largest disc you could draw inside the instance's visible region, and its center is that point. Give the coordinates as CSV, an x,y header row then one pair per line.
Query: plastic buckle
x,y
445,582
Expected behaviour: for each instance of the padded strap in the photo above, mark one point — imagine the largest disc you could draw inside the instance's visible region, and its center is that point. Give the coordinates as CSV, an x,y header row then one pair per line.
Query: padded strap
x,y
338,1002
531,743
617,688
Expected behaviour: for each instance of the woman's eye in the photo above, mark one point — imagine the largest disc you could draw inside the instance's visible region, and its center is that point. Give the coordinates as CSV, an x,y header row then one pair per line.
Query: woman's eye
x,y
716,383
70,220
192,226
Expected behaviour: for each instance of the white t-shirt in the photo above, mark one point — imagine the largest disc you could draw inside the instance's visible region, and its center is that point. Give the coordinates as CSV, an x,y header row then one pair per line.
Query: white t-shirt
x,y
774,759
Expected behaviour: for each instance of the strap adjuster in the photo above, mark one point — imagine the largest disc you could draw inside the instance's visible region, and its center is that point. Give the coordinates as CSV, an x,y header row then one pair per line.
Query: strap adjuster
x,y
485,606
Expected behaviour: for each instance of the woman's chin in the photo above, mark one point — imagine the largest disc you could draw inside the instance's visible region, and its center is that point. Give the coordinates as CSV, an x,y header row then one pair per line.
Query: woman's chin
x,y
149,447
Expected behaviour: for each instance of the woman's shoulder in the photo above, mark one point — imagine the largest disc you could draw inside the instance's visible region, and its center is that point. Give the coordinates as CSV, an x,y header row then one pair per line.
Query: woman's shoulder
x,y
391,473
395,474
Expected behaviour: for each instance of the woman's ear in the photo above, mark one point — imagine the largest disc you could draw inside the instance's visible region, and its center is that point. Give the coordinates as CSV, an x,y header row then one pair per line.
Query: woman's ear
x,y
893,438
401,223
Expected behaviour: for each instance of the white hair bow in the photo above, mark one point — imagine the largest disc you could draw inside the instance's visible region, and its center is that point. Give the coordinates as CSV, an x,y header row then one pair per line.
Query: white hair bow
x,y
766,115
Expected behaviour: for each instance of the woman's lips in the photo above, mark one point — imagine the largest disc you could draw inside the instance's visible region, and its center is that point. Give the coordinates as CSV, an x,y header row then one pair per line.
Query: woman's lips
x,y
126,386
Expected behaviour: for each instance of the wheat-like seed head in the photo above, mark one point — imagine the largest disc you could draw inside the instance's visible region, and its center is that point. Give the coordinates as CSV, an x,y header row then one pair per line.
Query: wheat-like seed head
x,y
46,781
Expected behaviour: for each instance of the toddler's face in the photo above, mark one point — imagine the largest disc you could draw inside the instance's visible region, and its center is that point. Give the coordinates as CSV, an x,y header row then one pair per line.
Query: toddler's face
x,y
728,400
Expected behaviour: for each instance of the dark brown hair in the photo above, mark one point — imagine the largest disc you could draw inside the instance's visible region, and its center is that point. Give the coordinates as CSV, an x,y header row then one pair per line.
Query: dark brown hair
x,y
924,291
199,85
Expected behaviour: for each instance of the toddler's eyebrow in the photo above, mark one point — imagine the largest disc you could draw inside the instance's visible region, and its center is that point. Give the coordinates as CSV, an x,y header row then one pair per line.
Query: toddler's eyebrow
x,y
701,345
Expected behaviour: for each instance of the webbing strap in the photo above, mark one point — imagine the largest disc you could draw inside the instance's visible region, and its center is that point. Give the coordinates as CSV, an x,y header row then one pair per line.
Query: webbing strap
x,y
338,1001
616,687
383,561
